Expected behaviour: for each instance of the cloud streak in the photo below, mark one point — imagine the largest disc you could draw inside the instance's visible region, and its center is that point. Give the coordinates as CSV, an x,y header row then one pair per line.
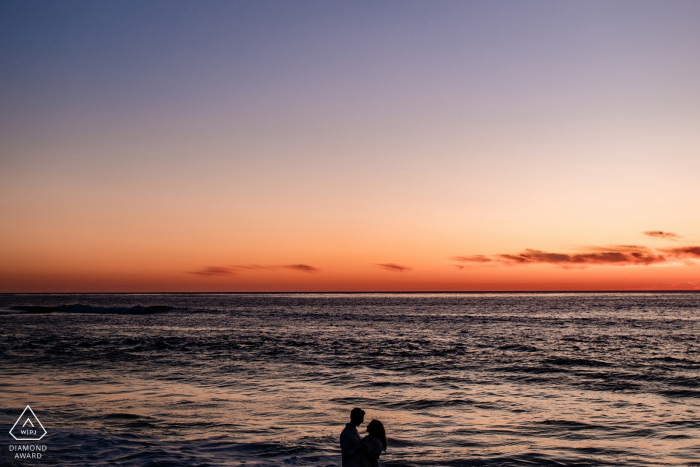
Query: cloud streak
x,y
301,268
472,259
692,252
214,271
662,234
622,255
209,271
613,255
393,267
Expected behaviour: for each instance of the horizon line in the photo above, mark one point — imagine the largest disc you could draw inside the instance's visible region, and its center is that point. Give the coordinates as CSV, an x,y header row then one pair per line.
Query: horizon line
x,y
367,292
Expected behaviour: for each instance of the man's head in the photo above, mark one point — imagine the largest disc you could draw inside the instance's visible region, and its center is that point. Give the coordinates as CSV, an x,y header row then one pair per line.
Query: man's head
x,y
357,416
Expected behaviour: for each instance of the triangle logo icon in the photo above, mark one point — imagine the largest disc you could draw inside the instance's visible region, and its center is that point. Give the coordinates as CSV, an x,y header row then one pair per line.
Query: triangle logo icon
x,y
28,427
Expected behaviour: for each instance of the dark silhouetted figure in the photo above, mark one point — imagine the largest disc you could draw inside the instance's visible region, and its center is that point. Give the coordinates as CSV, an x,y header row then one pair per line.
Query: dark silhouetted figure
x,y
350,442
373,444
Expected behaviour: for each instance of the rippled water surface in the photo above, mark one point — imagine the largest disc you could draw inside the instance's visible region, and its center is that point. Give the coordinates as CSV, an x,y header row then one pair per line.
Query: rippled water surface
x,y
466,379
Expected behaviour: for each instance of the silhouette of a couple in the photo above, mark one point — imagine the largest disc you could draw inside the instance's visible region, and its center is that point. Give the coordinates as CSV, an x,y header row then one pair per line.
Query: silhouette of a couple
x,y
362,452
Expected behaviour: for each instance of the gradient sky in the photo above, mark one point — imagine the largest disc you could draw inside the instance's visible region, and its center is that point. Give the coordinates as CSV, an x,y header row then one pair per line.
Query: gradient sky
x,y
331,146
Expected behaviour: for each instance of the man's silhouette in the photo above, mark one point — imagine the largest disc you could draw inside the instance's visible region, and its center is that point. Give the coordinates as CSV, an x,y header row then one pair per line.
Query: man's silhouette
x,y
350,440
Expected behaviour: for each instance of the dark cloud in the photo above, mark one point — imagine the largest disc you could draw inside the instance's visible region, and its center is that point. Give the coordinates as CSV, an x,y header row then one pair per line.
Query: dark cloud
x,y
615,255
472,259
393,267
612,255
234,270
684,251
662,234
301,267
214,271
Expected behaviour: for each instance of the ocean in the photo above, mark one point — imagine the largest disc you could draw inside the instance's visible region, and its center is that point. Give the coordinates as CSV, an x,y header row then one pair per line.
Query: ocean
x,y
592,379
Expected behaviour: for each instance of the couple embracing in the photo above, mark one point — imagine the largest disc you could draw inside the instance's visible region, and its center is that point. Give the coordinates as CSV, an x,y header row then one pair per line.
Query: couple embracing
x,y
362,452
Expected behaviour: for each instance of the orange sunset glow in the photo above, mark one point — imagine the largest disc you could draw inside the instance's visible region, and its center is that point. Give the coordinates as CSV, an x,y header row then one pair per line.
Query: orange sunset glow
x,y
475,149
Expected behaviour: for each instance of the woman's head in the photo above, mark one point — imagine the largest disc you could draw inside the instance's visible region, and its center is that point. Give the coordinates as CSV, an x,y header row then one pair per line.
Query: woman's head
x,y
376,430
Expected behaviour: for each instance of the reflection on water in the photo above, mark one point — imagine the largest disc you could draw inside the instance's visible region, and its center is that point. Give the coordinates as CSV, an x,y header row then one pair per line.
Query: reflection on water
x,y
567,379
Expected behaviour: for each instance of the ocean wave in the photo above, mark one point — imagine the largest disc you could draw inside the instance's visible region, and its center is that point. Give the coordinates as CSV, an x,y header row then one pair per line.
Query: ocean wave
x,y
78,308
269,380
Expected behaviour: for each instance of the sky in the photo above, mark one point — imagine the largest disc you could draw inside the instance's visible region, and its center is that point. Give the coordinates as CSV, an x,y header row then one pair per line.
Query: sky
x,y
231,146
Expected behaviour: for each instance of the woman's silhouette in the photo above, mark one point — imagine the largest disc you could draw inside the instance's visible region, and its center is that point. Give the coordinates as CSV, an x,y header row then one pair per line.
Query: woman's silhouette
x,y
373,444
